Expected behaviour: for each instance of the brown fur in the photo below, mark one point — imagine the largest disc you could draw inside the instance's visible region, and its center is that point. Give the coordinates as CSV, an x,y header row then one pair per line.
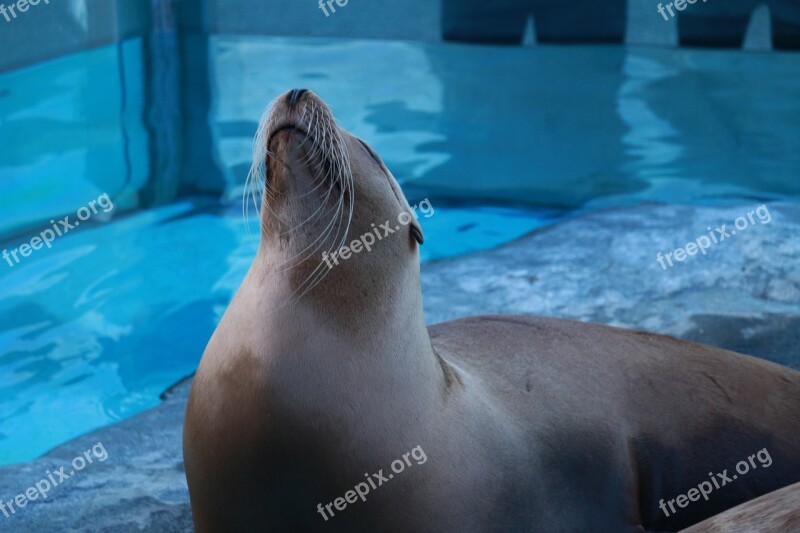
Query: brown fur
x,y
528,424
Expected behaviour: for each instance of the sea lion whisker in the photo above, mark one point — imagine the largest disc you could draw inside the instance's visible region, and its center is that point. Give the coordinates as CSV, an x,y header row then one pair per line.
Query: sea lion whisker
x,y
333,227
318,182
336,222
314,279
322,206
290,263
313,127
309,125
321,271
246,204
301,256
312,134
258,167
319,158
265,201
329,160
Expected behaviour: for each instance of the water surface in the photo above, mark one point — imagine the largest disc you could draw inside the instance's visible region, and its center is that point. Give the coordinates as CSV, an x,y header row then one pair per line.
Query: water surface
x,y
500,140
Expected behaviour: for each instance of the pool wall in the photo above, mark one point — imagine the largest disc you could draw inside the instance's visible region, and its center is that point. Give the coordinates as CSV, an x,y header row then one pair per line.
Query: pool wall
x,y
139,102
102,98
67,26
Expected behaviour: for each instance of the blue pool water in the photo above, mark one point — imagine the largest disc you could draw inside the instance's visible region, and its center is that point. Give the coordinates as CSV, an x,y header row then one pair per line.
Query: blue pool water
x,y
501,140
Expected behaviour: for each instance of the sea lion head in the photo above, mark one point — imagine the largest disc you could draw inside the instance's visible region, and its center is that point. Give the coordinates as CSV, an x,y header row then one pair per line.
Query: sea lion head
x,y
323,190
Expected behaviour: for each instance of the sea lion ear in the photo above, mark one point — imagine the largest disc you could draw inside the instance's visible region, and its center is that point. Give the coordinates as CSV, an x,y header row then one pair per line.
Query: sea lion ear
x,y
416,231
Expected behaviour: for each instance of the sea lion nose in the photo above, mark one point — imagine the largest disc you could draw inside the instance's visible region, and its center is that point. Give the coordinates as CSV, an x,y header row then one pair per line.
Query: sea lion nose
x,y
295,95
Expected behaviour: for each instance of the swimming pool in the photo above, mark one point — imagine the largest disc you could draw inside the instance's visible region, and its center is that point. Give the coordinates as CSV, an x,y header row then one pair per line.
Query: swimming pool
x,y
500,140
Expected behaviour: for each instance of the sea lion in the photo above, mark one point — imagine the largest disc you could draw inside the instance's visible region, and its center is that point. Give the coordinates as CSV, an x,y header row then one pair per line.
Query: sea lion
x,y
323,402
776,512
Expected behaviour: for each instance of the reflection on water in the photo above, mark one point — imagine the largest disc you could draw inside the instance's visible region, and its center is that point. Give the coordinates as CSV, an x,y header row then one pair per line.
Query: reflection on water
x,y
95,328
544,126
501,140
710,126
572,127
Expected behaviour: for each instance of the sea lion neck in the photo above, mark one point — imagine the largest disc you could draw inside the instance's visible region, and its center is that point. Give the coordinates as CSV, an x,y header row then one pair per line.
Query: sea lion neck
x,y
350,320
356,301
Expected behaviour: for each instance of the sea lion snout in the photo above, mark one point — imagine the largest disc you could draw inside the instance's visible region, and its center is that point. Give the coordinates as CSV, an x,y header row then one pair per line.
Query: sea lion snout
x,y
287,114
294,96
312,170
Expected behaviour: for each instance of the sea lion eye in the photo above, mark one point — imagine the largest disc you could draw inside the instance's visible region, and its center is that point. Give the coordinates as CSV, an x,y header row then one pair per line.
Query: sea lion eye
x,y
370,151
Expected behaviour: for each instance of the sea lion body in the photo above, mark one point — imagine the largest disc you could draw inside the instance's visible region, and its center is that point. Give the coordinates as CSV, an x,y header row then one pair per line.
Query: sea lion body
x,y
547,425
525,424
619,420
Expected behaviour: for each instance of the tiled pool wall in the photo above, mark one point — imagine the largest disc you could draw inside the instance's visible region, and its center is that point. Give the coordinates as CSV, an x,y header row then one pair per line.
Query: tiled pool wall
x,y
129,116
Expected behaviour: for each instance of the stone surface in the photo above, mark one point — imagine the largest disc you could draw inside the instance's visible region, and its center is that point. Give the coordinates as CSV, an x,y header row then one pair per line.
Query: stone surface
x,y
140,487
745,295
